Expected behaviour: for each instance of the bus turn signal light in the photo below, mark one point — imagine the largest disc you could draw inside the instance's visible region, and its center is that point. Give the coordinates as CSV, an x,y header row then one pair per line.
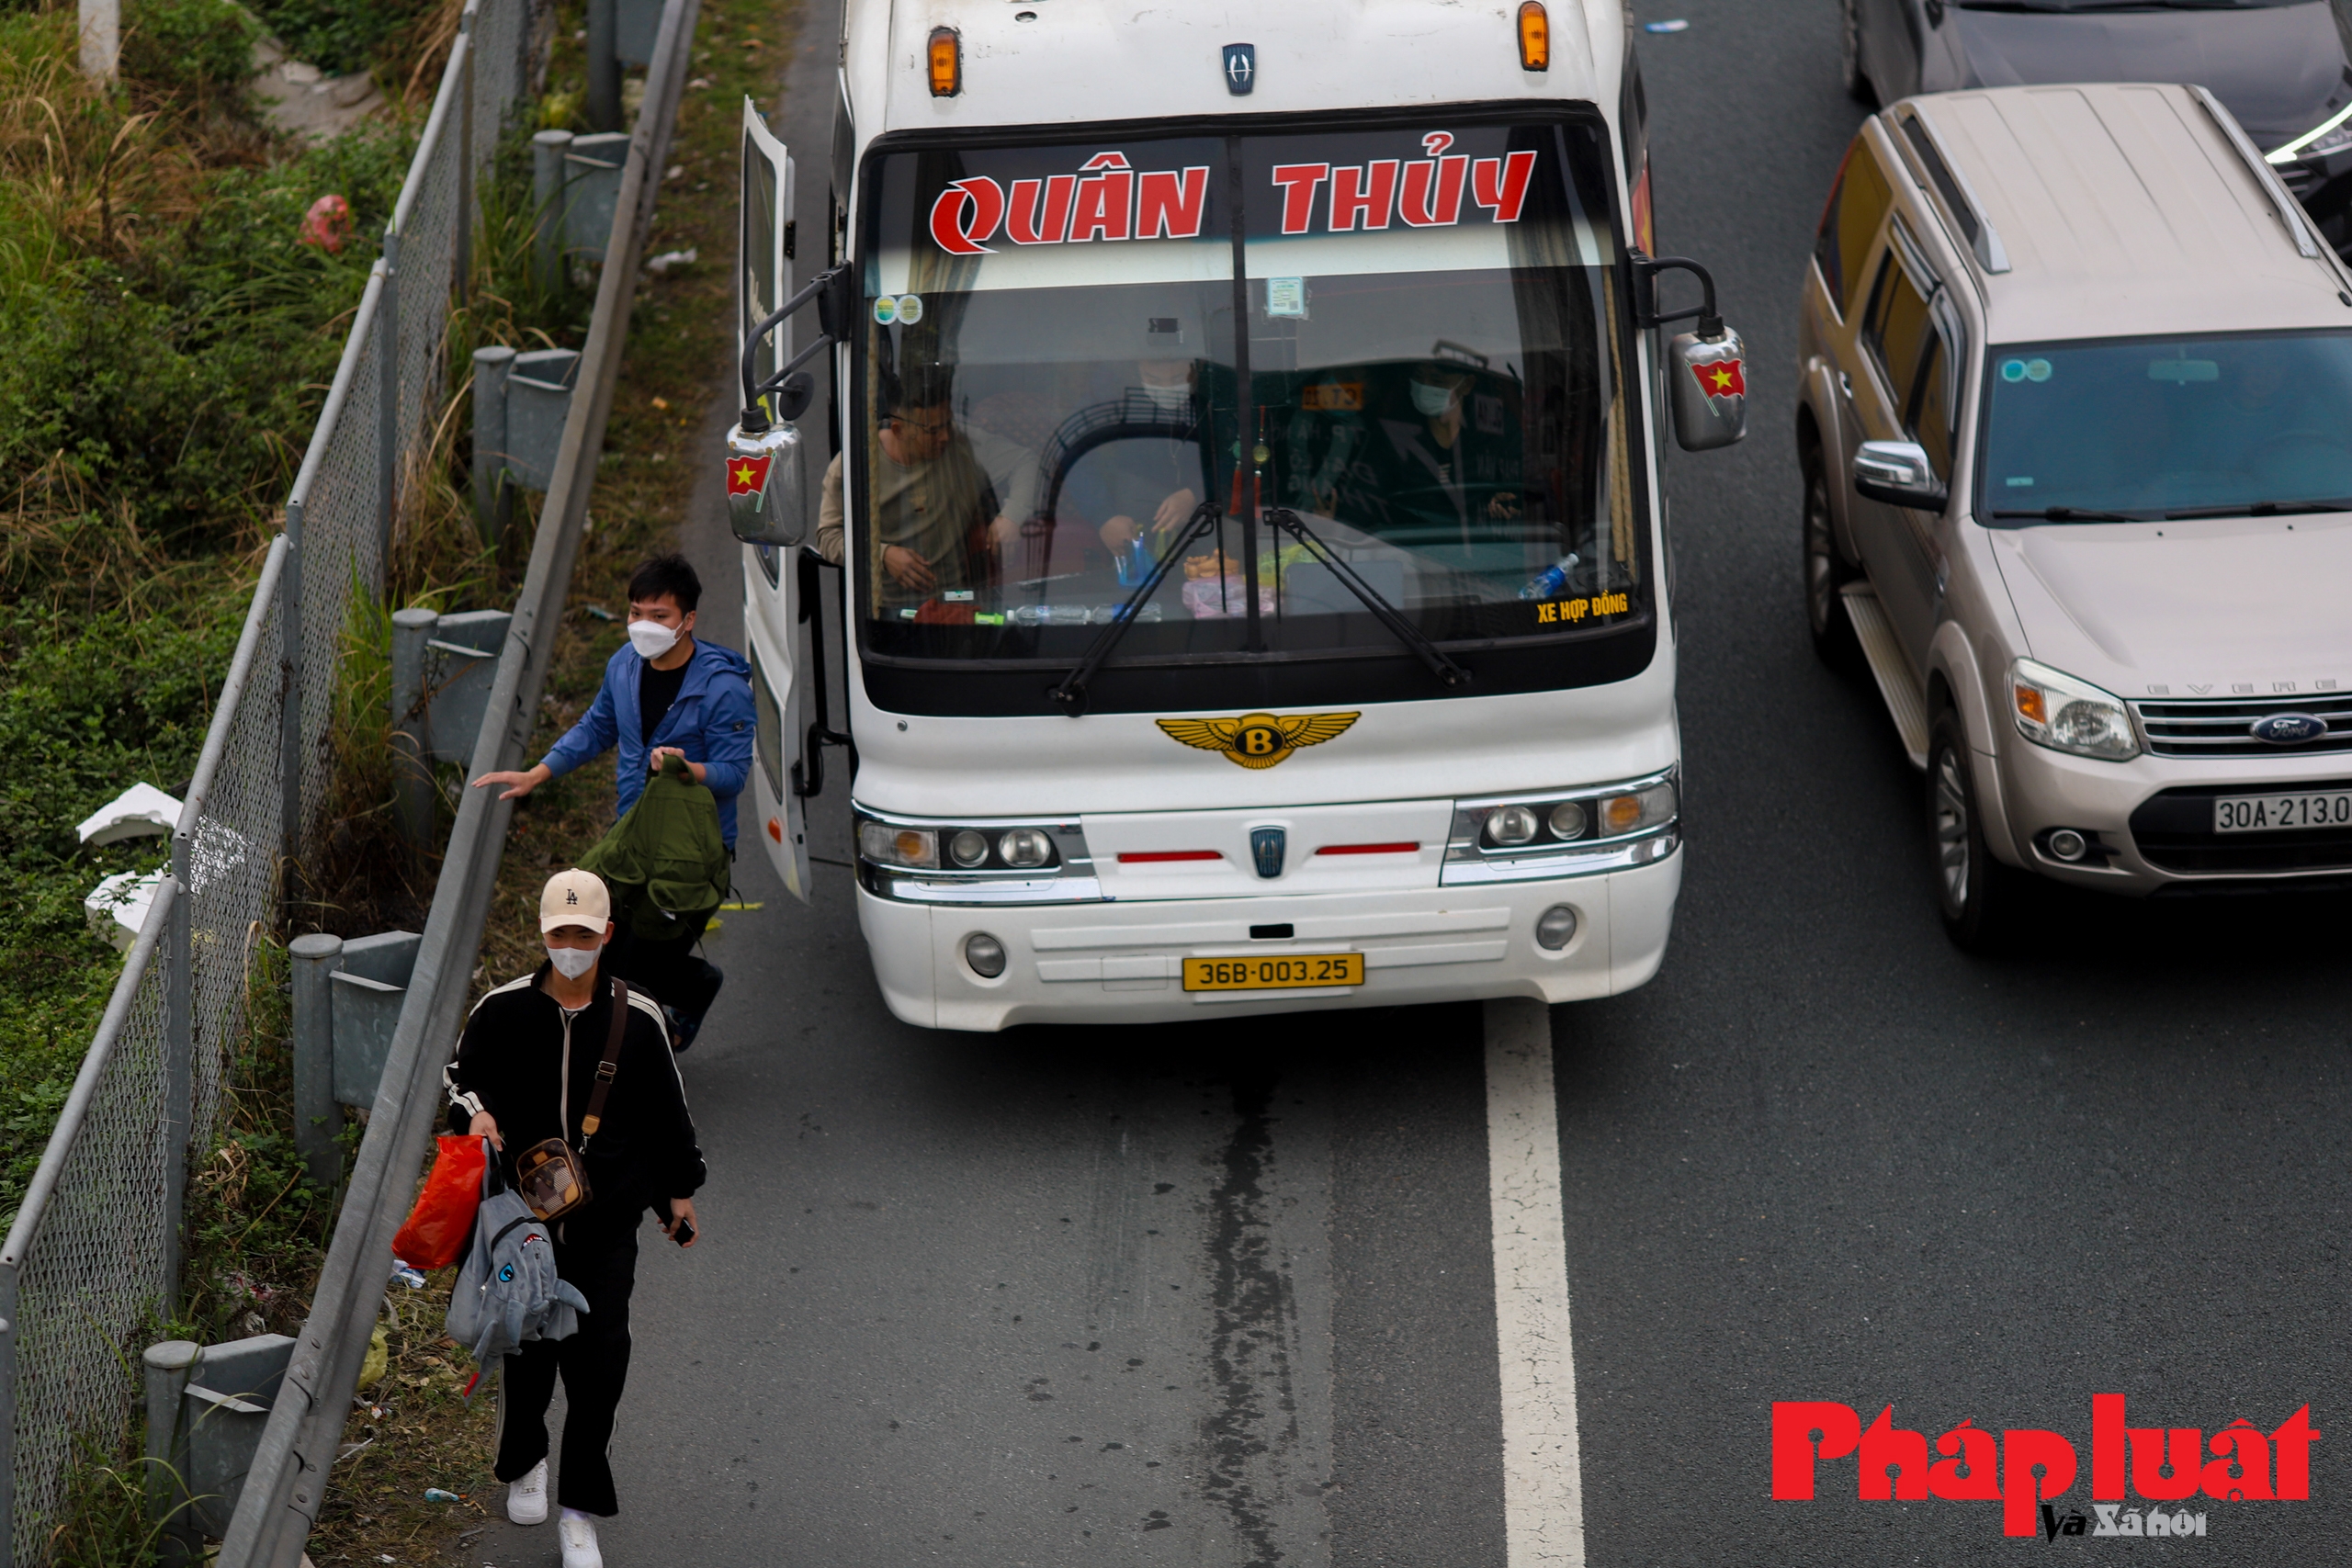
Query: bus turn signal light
x,y
1534,41
947,60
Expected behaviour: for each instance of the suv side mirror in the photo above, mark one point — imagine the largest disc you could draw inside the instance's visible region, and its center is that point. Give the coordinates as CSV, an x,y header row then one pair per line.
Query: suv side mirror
x,y
1710,389
1897,473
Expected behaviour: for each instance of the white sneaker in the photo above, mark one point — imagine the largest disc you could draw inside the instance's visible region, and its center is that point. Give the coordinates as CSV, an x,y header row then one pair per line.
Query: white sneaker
x,y
580,1543
526,1499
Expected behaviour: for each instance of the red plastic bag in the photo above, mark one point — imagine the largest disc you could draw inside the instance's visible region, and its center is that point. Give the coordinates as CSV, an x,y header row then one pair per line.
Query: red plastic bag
x,y
435,1232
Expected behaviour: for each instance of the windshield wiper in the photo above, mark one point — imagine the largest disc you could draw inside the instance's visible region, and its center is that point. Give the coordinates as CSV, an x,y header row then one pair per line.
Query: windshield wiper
x,y
1071,693
2080,514
2262,509
1286,521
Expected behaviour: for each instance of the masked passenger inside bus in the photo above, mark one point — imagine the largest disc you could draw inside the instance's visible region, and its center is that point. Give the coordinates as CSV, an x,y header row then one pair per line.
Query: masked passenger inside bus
x,y
1146,487
945,497
1444,472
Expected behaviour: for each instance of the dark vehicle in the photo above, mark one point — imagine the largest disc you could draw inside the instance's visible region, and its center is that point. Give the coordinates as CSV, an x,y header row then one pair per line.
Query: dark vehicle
x,y
2282,67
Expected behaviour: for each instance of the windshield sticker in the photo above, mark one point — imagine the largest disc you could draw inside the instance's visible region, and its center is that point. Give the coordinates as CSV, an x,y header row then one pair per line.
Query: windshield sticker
x,y
909,308
905,308
2019,482
1574,609
1109,200
2034,370
1332,397
886,309
1286,297
2184,370
1364,195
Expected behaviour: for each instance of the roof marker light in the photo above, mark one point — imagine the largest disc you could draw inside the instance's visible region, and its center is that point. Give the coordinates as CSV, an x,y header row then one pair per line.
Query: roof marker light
x,y
946,54
1534,37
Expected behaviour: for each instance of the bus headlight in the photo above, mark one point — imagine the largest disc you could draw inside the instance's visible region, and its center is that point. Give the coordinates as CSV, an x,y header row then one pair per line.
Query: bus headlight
x,y
1510,825
968,848
1025,847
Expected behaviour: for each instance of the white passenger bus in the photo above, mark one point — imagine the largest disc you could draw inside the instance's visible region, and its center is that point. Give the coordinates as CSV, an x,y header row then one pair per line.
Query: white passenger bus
x,y
1256,593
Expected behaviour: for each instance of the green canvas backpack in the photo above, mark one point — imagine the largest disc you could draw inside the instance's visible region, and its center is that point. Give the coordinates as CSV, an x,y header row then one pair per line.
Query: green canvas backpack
x,y
664,861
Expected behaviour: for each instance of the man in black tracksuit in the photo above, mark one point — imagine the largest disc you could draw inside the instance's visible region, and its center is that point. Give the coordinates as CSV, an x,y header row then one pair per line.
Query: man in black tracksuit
x,y
524,1072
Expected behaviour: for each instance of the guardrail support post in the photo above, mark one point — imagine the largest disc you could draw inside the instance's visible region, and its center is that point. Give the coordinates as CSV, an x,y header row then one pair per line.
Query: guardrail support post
x,y
179,1061
167,1375
316,1117
548,202
603,65
412,798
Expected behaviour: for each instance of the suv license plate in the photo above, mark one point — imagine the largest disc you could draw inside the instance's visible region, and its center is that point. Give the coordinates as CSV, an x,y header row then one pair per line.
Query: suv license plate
x,y
2275,813
1288,972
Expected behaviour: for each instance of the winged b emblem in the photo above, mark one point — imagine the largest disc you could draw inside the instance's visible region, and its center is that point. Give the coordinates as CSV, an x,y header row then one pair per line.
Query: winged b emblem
x,y
1258,739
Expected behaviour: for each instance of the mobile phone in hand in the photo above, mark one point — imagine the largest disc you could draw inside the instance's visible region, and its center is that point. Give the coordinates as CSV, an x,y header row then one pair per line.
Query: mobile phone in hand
x,y
683,1231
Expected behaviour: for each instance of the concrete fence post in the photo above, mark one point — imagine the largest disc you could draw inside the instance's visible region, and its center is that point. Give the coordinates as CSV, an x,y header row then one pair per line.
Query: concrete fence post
x,y
316,1117
548,202
603,65
101,38
168,1365
494,496
411,629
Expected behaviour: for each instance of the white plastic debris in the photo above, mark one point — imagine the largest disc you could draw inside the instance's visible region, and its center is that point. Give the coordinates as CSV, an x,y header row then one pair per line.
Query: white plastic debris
x,y
1676,26
118,907
661,265
140,810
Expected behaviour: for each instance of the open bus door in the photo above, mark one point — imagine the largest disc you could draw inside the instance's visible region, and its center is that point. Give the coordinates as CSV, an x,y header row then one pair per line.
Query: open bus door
x,y
765,467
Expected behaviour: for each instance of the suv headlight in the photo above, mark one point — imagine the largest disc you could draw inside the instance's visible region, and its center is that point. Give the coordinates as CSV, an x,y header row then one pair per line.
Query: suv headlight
x,y
2332,134
2054,710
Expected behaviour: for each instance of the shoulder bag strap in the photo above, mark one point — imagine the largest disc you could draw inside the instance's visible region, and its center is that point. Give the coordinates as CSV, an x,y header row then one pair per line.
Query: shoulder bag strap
x,y
609,1064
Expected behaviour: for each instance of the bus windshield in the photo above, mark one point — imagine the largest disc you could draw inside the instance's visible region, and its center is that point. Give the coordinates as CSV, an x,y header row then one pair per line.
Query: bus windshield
x,y
1410,340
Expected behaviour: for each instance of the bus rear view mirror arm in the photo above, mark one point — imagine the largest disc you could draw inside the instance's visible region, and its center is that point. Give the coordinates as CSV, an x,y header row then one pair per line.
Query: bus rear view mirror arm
x,y
1708,368
1898,473
831,292
766,503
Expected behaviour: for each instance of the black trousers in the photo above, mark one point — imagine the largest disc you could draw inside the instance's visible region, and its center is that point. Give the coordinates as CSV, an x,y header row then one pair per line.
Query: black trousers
x,y
595,1364
666,967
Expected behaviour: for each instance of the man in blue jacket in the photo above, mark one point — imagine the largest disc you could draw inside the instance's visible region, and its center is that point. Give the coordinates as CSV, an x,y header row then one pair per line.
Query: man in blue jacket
x,y
668,691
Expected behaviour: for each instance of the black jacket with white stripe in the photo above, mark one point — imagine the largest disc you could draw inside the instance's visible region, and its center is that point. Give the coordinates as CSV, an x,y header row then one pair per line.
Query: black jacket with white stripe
x,y
532,1067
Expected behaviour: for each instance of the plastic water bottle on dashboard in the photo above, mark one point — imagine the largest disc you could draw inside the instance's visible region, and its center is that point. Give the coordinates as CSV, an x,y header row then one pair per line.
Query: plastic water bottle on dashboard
x,y
1553,578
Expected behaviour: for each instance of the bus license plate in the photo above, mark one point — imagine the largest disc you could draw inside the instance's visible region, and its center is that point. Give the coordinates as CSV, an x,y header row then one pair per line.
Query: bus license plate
x,y
2274,813
1288,972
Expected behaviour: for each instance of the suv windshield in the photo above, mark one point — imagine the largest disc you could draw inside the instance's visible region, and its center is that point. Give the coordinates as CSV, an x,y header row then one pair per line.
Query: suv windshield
x,y
1431,380
2165,427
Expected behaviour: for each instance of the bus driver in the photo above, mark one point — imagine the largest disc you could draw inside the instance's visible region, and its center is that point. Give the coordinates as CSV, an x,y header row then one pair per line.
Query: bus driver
x,y
932,488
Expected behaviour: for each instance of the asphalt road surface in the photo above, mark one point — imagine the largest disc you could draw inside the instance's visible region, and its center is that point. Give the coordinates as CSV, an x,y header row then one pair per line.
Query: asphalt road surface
x,y
1229,1295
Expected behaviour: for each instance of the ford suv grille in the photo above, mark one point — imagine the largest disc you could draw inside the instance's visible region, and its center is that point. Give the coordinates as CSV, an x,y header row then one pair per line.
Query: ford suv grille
x,y
2224,728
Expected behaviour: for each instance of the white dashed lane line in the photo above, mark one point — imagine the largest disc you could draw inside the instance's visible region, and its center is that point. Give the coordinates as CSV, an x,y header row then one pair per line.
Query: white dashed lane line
x,y
1543,1486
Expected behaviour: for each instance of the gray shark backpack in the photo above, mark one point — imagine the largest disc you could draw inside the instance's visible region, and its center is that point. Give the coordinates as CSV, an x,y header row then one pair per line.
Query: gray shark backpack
x,y
507,1292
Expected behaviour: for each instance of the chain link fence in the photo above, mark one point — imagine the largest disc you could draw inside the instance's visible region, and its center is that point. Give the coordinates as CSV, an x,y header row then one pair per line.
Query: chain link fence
x,y
93,1249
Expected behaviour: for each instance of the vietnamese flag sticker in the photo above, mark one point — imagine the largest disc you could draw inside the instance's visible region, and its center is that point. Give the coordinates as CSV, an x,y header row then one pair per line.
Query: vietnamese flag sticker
x,y
747,476
1721,378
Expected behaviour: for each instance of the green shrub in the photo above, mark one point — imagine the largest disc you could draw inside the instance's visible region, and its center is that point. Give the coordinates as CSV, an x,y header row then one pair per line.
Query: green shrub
x,y
201,46
337,36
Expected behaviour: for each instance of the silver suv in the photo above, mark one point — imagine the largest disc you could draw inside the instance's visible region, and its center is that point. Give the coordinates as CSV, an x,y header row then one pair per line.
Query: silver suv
x,y
2075,427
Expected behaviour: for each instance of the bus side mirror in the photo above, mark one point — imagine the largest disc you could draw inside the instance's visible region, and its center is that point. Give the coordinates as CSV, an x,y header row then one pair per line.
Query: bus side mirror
x,y
765,503
1710,377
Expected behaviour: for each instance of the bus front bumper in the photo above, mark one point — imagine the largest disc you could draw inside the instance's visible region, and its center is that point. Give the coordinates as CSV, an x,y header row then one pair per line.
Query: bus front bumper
x,y
1123,962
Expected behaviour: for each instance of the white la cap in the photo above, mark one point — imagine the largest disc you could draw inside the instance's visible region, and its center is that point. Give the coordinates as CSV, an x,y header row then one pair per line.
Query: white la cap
x,y
575,898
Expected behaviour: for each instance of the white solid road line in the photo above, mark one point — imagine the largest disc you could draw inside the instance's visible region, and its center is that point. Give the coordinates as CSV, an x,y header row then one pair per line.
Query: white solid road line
x,y
1543,1486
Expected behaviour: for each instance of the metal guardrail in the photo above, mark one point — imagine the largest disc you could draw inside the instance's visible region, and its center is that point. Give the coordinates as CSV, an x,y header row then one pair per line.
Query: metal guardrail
x,y
96,1244
287,1484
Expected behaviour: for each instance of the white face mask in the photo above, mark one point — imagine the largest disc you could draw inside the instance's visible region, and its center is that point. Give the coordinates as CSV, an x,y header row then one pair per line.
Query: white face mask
x,y
1432,401
1166,393
652,638
573,962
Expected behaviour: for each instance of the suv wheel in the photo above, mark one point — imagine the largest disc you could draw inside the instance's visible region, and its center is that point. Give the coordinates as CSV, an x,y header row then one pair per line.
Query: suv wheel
x,y
1825,572
1850,54
1977,894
